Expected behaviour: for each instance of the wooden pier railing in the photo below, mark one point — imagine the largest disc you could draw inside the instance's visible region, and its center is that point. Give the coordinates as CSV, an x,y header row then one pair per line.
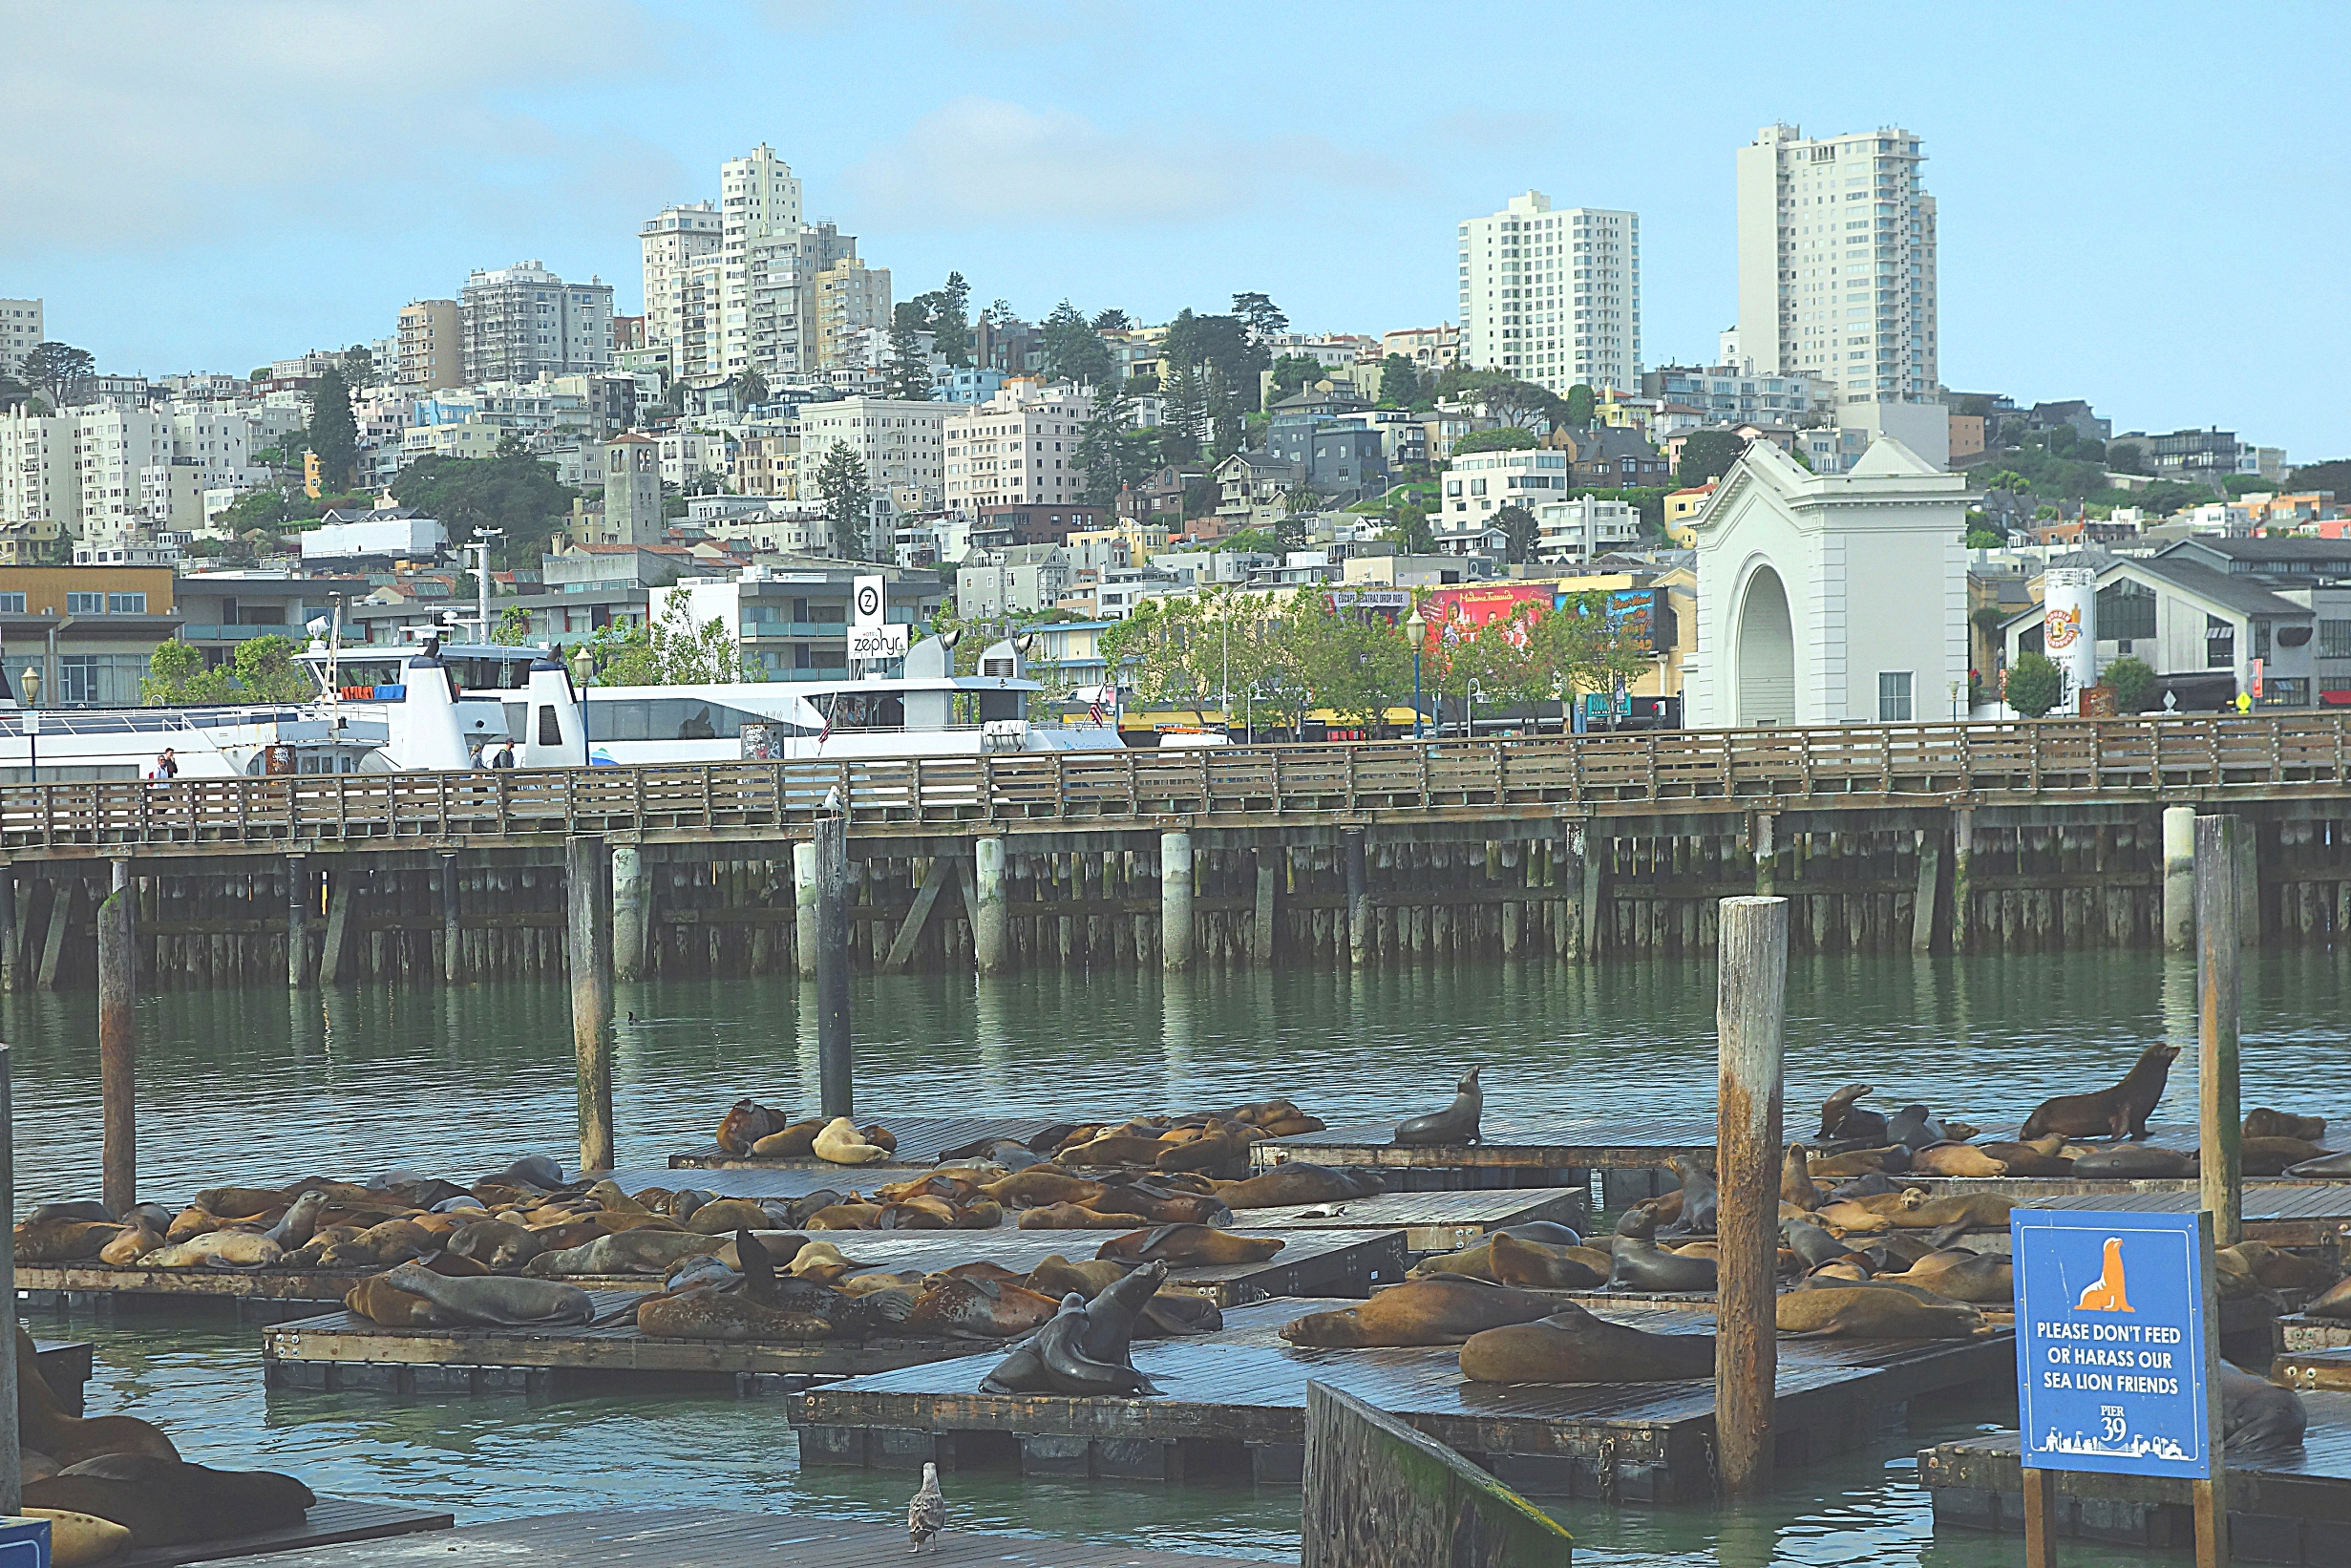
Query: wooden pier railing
x,y
1851,766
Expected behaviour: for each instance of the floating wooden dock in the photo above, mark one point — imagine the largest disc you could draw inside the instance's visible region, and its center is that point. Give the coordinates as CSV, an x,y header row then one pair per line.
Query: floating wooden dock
x,y
333,1525
2285,1508
1234,1404
2284,1214
920,1141
705,1538
1432,1221
2298,1332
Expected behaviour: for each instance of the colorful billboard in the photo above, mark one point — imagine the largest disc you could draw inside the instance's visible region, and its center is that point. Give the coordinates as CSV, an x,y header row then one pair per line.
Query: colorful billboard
x,y
1456,613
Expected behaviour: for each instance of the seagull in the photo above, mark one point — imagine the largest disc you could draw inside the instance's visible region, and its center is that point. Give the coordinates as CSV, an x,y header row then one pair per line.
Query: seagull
x,y
928,1515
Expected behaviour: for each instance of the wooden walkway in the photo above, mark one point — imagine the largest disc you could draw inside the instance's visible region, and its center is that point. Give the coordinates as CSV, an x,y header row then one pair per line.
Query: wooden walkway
x,y
1430,1222
2285,1508
704,1537
332,1525
1234,1403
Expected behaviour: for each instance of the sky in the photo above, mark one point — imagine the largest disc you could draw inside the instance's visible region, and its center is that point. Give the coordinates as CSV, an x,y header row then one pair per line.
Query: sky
x,y
2139,204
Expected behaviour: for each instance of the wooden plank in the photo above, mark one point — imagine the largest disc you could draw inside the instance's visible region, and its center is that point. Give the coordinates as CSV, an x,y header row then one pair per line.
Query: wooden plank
x,y
332,1522
1430,1222
940,873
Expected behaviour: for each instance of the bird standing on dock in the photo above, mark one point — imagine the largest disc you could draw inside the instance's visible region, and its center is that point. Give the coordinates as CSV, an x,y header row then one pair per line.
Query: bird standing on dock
x,y
928,1515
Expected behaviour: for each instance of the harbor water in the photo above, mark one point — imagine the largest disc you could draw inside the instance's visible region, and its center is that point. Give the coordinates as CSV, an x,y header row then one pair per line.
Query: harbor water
x,y
263,1086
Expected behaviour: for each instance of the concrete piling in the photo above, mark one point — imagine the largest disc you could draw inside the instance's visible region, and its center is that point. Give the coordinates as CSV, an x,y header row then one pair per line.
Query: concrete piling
x,y
1176,932
2179,878
991,927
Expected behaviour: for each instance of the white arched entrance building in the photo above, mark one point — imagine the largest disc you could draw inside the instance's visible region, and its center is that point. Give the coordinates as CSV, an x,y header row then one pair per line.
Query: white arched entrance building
x,y
1831,598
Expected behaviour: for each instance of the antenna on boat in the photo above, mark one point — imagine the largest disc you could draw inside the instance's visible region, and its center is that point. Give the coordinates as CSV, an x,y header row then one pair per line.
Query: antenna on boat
x,y
481,542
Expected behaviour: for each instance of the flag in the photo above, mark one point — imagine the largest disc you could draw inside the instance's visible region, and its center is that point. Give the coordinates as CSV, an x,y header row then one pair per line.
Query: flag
x,y
826,733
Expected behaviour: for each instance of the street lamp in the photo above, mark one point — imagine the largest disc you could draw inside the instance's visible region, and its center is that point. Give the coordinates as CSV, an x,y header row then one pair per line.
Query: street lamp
x,y
582,668
1416,629
33,722
1469,694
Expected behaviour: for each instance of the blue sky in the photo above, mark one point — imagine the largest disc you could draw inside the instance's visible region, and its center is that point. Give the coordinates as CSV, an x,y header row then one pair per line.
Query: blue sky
x,y
2143,206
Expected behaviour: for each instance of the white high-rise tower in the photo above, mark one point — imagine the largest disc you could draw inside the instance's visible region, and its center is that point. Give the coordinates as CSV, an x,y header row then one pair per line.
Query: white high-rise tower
x,y
760,204
1553,297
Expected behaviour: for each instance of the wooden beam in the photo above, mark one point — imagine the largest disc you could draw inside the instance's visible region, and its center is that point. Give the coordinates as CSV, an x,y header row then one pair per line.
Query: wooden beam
x,y
1752,1024
1379,1494
60,922
942,872
2219,916
342,886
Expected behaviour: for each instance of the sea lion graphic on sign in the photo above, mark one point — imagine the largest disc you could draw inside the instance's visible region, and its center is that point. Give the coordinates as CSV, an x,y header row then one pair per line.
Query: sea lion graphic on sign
x,y
2106,1295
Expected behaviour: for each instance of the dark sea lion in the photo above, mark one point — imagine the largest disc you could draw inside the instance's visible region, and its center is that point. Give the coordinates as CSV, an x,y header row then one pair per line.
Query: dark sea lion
x,y
389,1305
2116,1113
1870,1312
44,1425
2335,1304
530,1170
1173,1314
2270,1156
2265,1123
746,1122
504,1247
797,1141
1698,1196
1086,1348
2275,1269
1297,1182
241,1202
495,1298
1912,1128
1456,1123
300,1221
168,1503
1639,1263
978,1309
1868,1184
1639,1221
1185,1246
2143,1162
1983,1278
86,1210
63,1241
1573,1345
1446,1309
1838,1112
2258,1416
1892,1159
1796,1179
1549,1232
1219,1150
729,1215
1813,1243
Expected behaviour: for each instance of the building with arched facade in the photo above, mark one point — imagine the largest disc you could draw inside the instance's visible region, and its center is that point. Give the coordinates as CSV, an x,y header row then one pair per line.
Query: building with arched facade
x,y
1831,598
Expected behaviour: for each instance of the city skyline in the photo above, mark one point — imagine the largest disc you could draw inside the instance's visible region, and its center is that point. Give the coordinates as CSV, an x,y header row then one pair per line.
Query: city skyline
x,y
2071,265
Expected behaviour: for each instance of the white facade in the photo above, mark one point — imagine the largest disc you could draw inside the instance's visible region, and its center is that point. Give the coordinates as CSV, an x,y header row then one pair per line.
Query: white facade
x,y
1479,485
759,200
1553,297
1579,529
1837,263
39,475
20,329
1019,447
899,443
521,322
679,247
1830,599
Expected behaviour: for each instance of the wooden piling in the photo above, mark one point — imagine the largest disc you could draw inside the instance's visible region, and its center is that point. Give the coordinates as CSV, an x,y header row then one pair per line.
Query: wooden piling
x,y
834,1064
2218,913
589,910
1359,895
11,1456
9,935
2179,878
1930,885
453,924
805,941
991,922
1751,1024
2248,864
629,923
1379,1494
1176,934
299,888
117,1053
1268,882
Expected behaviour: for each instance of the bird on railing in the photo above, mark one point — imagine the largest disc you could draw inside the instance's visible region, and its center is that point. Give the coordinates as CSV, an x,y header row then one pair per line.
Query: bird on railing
x,y
927,1516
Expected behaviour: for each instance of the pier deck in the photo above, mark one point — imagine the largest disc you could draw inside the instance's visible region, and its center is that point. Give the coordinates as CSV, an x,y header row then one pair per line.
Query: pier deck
x,y
2282,1214
334,1523
1234,1403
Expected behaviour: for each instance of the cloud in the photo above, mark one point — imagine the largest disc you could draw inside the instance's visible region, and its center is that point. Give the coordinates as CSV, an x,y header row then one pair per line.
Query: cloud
x,y
982,162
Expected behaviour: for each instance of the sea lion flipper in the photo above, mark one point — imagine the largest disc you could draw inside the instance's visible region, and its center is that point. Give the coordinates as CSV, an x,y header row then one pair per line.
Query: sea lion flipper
x,y
757,1268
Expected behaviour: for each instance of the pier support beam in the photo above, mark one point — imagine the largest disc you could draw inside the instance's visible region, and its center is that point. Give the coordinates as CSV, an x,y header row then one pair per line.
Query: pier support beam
x,y
453,924
627,913
2219,912
1767,854
2179,878
1597,853
8,934
804,908
991,922
300,888
1929,883
65,907
835,1066
1359,897
1751,1025
343,887
2247,863
589,907
117,1051
1268,887
1176,899
1962,879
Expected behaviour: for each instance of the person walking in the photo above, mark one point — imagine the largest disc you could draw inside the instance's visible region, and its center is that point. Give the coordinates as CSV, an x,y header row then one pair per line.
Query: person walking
x,y
166,766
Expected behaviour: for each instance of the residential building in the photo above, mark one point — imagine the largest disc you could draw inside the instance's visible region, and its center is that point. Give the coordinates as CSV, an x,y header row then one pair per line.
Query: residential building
x,y
520,322
1253,489
20,332
969,384
1160,497
1430,349
1612,458
1019,447
2199,456
1578,529
899,442
1726,393
1837,263
1553,297
759,201
679,250
1966,437
1681,509
90,629
766,465
1337,459
431,352
627,332
1016,579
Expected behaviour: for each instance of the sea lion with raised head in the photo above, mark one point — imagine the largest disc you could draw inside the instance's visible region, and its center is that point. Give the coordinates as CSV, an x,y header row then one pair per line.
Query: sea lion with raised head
x,y
1870,1312
2264,1123
1796,1185
2258,1416
2132,1162
1842,1120
300,1220
2119,1112
746,1122
169,1502
1446,1309
1698,1196
44,1425
1456,1123
495,1299
1573,1345
1914,1128
1087,1347
1639,1263
1296,1181
1187,1246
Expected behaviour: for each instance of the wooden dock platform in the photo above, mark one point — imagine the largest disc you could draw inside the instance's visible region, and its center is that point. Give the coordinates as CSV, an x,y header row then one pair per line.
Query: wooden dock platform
x,y
1432,1221
1234,1404
705,1538
2285,1508
920,1141
2298,1332
2282,1214
333,1524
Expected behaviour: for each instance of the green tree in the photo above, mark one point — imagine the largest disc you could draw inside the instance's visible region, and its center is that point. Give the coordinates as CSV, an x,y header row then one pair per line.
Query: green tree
x,y
358,365
1399,381
910,370
1358,666
1503,439
177,678
1224,413
1298,503
267,672
1410,530
53,367
1261,316
2133,681
1182,413
1707,455
1519,524
1072,350
750,389
1112,320
333,432
1112,454
1579,406
842,482
1292,372
13,394
513,491
945,317
2034,684
514,627
669,649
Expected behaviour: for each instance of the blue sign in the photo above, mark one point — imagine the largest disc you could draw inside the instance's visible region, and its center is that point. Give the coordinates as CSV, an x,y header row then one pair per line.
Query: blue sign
x,y
2111,1350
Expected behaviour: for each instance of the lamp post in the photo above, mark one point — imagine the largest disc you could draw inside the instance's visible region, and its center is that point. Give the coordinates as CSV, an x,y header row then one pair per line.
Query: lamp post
x,y
1416,629
583,667
1470,694
33,723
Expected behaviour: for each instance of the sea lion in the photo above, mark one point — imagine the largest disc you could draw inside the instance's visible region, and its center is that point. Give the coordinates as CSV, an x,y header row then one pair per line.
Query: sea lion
x,y
2140,1161
1841,1120
396,1240
240,1202
1549,1233
169,1502
628,1252
1893,1160
87,1210
1868,1184
217,1249
782,1247
1456,1123
394,1309
1532,1266
1872,1313
979,1310
840,1143
1640,1263
1952,1215
2335,1304
1442,1310
1984,1278
495,1298
1222,1148
1297,1182
729,1215
132,1243
818,1261
2041,1158
1573,1345
1796,1179
2274,1156
2265,1123
796,1141
1056,1275
1042,1184
1853,1218
1162,1207
746,1122
1173,1314
1114,1149
536,1171
1912,1128
504,1247
76,1540
1086,1348
1816,1244
840,1216
2275,1269
2118,1112
44,1425
1698,1195
2259,1416
1071,1217
301,1219
1956,1160
63,1241
1186,1247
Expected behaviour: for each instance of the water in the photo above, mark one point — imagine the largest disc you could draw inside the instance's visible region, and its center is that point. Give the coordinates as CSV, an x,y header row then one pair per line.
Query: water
x,y
259,1086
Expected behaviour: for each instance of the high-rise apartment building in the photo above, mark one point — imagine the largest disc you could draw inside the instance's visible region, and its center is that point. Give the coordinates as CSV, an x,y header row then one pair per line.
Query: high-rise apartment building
x,y
759,200
1837,263
521,322
432,351
680,246
849,298
20,328
1553,297
1019,446
899,441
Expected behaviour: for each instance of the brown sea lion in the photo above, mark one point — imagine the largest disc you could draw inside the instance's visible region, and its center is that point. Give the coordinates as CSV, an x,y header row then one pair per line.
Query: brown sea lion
x,y
1572,1345
1056,1275
1956,1160
1983,1278
76,1539
1852,1219
503,1246
1796,1179
136,1240
1186,1247
2275,1269
241,1202
1442,1310
2041,1158
1114,1149
167,1503
1964,1211
2265,1123
844,1217
217,1249
2116,1113
1870,1313
630,1252
1531,1266
1297,1182
1215,1150
1162,1207
1074,1216
1639,1263
1456,1124
396,1240
1041,1184
64,1241
797,1141
1841,1119
44,1425
818,1261
2269,1156
978,1309
1893,1161
746,1122
728,1216
394,1309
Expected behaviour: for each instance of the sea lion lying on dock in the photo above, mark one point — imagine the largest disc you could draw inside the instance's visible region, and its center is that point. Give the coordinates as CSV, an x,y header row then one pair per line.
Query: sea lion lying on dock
x,y
2258,1416
1183,1246
1532,1264
2269,1156
1087,1347
1639,1263
1573,1345
746,1122
2264,1123
1456,1124
2044,1156
2274,1268
216,1249
978,1309
1893,1160
2118,1112
761,1304
498,1300
1956,1160
1986,1279
1443,1310
1872,1313
63,1241
797,1141
1297,1182
169,1502
389,1305
2133,1162
630,1252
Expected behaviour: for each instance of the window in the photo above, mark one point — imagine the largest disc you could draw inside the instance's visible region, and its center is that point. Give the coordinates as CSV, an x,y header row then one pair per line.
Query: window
x,y
2125,612
12,603
2333,636
126,603
1893,696
85,603
2219,644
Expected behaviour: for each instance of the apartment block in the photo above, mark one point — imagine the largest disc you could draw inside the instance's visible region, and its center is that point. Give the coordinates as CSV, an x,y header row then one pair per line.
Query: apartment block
x,y
679,246
899,441
853,303
1554,297
759,203
521,322
1019,447
20,328
432,351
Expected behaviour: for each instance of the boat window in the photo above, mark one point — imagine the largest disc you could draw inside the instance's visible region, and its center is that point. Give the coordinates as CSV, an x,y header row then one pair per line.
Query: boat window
x,y
673,718
550,727
493,674
864,710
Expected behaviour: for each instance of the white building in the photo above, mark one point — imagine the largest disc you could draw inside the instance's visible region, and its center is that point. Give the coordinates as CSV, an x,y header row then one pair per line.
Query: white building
x,y
1830,599
1553,297
1019,447
1584,527
1837,263
520,322
20,329
1479,485
679,249
759,201
899,443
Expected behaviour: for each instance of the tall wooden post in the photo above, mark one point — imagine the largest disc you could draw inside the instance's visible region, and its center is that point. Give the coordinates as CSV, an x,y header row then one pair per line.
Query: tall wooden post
x,y
1268,888
835,1065
1930,887
1359,895
627,913
300,888
1176,899
9,935
1599,853
2179,878
2211,1496
2248,883
452,925
11,1460
117,1053
1751,1023
804,932
2218,912
1767,854
991,927
590,910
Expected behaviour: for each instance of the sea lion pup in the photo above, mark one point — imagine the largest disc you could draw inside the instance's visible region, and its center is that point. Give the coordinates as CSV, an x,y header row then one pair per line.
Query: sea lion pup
x,y
1796,1179
1443,1310
1087,1347
2265,1123
840,1143
2118,1112
1573,1345
2139,1162
390,1305
794,1142
168,1503
44,1425
495,1298
1698,1196
978,1309
1983,1278
1637,1262
1456,1123
628,1252
1872,1312
1297,1182
1841,1119
2259,1416
746,1122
